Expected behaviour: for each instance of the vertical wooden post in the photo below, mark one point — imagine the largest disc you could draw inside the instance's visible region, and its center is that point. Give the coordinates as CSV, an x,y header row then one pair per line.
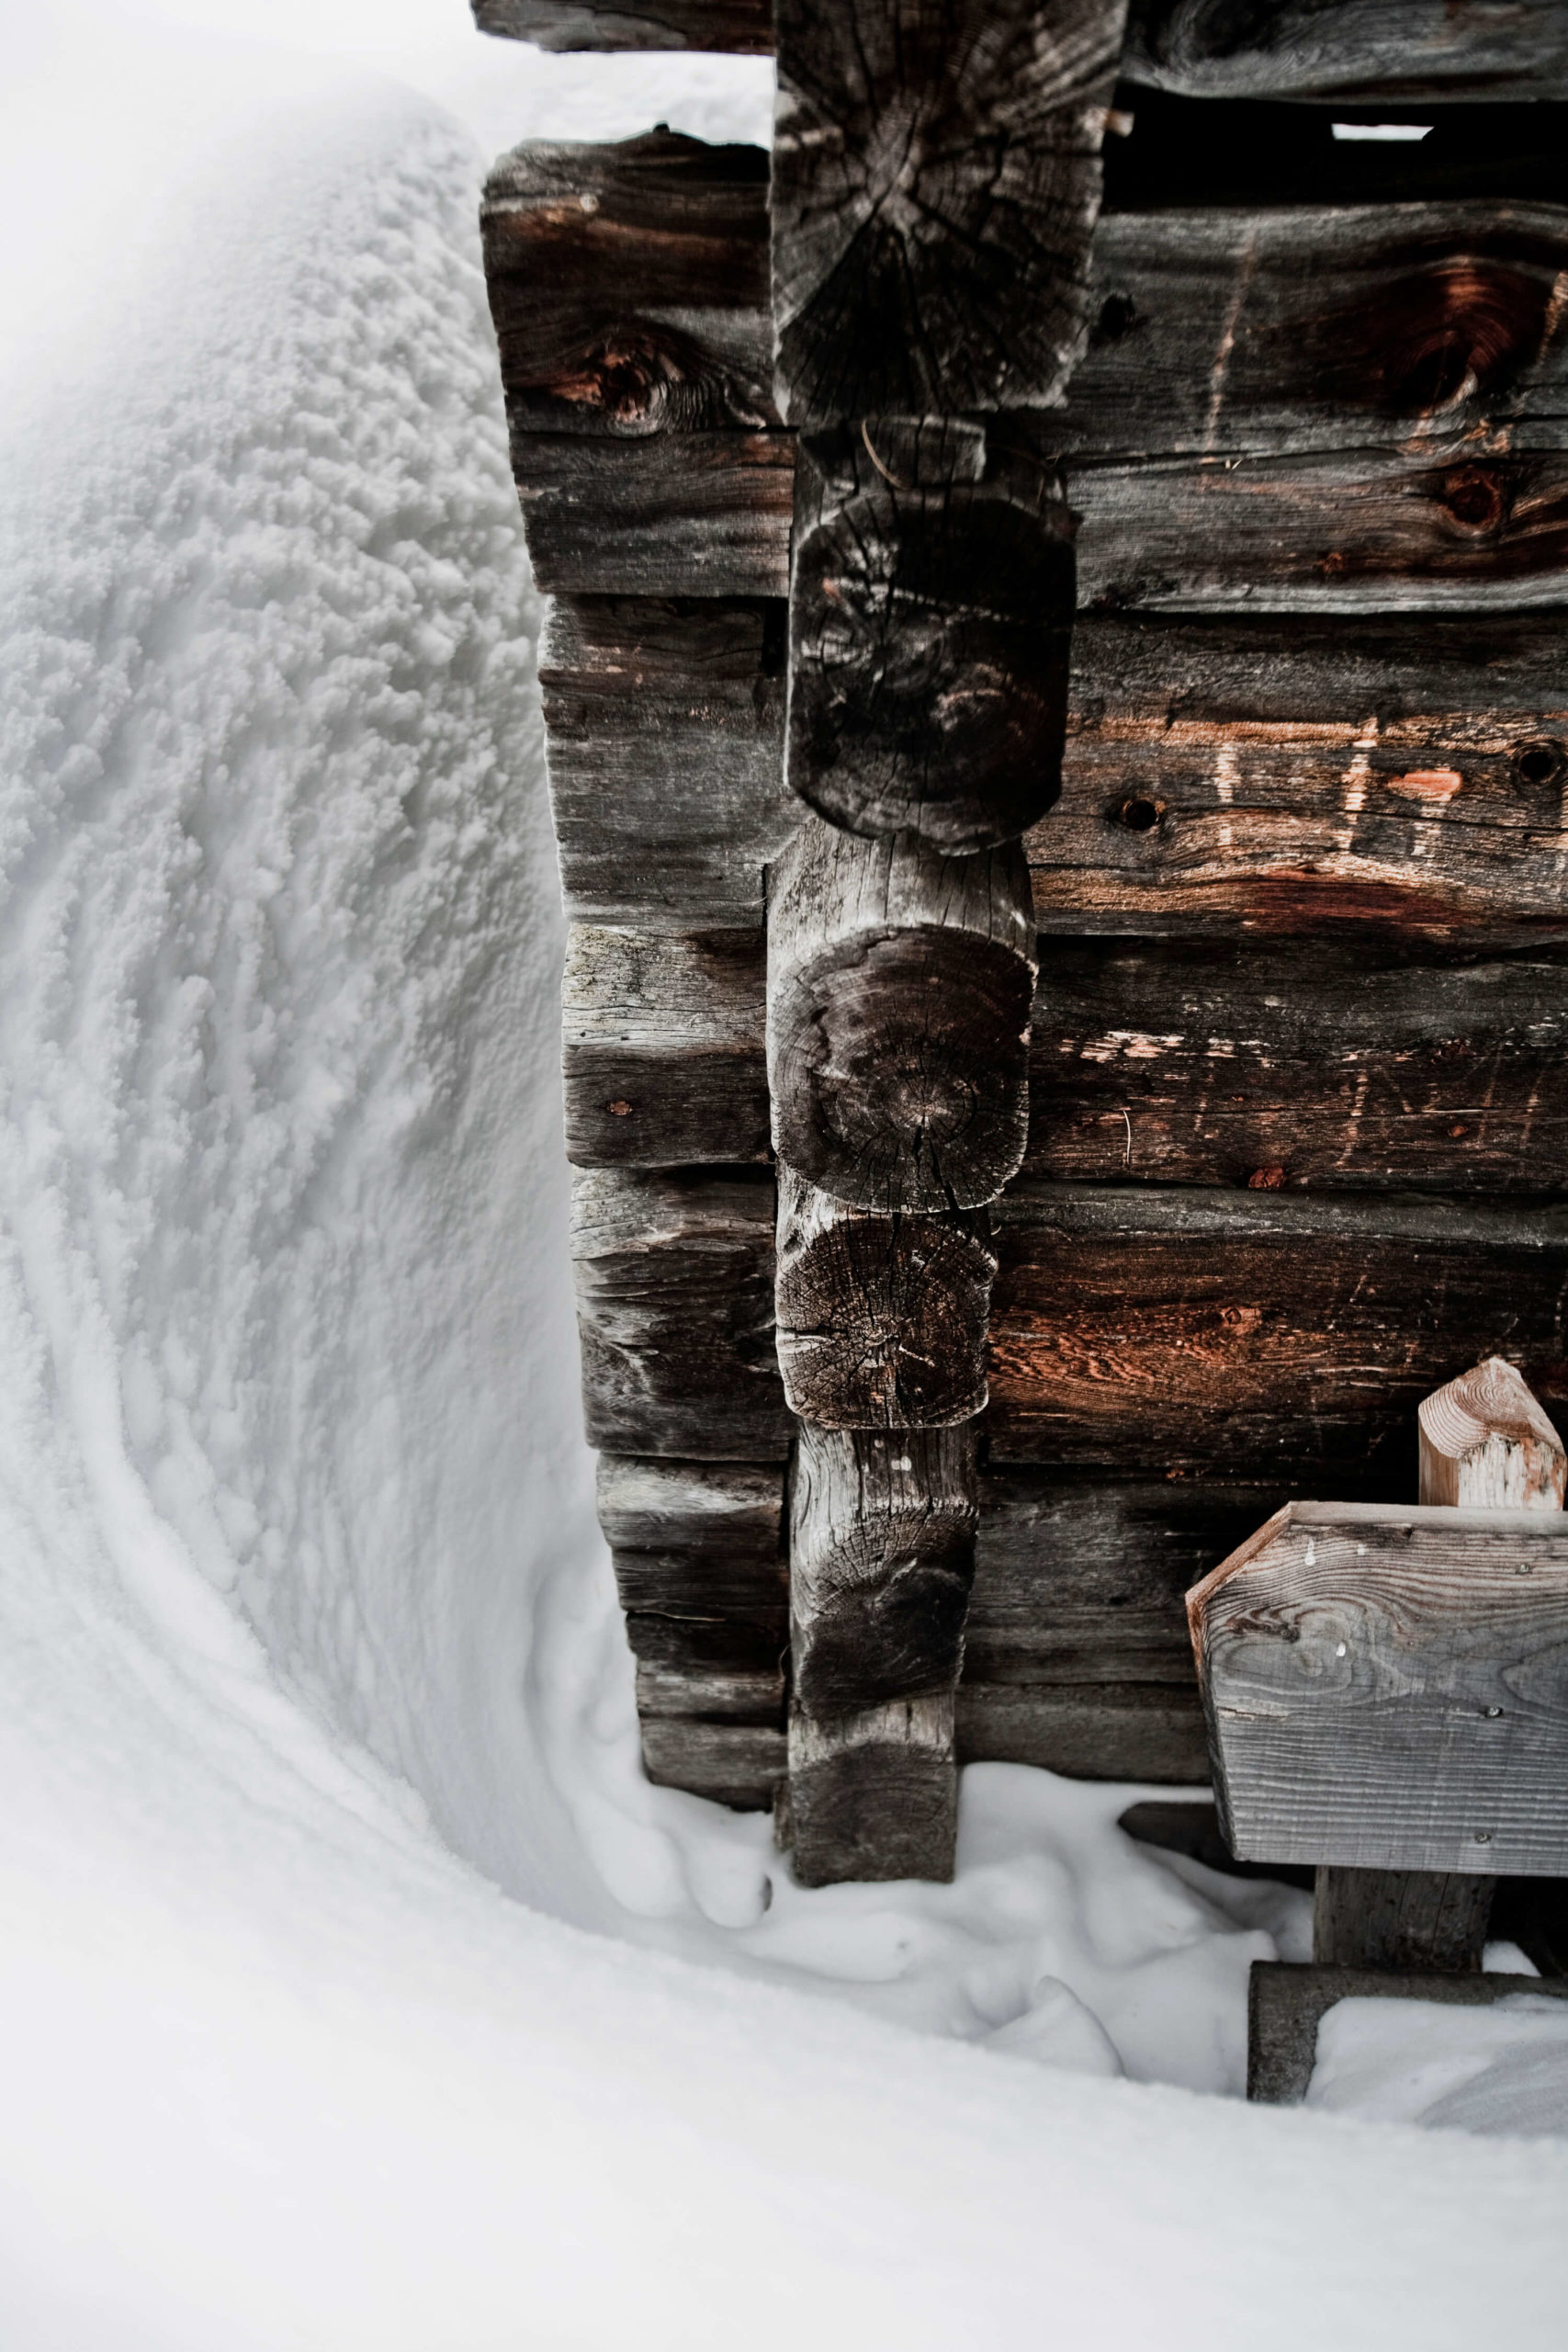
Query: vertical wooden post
x,y
1484,1445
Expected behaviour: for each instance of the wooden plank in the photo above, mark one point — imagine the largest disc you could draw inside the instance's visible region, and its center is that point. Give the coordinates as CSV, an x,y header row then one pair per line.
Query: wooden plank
x,y
746,26
1288,2003
1311,1064
881,1321
736,1764
1486,1445
1254,1334
1089,1731
1384,1689
676,514
1247,329
662,1047
1361,532
1277,776
898,991
1407,1920
665,728
675,1276
930,614
872,1795
724,1510
936,180
1349,50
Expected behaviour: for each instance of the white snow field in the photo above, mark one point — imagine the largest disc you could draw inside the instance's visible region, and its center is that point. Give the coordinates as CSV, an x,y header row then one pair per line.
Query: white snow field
x,y
354,1989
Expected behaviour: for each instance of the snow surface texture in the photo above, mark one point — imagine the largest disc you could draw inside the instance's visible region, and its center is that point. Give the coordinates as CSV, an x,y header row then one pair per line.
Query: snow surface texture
x,y
316,1729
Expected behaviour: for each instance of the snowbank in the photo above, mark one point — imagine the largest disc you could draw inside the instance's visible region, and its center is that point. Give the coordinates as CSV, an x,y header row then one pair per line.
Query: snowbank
x,y
315,1715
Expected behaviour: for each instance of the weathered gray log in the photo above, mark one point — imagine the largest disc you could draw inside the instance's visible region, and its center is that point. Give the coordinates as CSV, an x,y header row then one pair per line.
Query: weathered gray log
x,y
675,515
873,1794
898,991
701,1571
1251,331
665,728
1287,2004
1092,1731
936,179
629,284
1384,1690
1486,1445
1256,1334
881,1321
1278,776
1349,50
1401,1918
931,615
710,1510
736,1764
674,1277
881,1559
662,1047
746,26
1361,1067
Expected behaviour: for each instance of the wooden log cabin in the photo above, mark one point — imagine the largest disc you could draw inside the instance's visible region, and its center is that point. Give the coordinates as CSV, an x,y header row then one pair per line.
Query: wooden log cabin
x,y
1057,720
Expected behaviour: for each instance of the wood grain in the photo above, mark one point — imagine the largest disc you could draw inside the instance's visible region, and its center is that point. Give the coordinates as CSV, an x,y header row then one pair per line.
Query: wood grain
x,y
899,984
1385,1689
1092,1731
662,1047
1426,1920
695,514
1349,50
873,1794
742,1765
1486,1445
746,26
1256,1334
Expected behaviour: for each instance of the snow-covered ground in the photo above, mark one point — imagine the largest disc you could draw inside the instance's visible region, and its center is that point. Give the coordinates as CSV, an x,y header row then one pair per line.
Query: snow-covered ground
x,y
356,1991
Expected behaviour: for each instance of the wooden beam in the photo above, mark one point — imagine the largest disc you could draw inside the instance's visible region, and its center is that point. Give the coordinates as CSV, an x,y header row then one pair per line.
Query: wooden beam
x,y
936,179
662,1047
1401,1918
898,991
677,514
873,1794
674,1276
1346,51
1284,1066
931,617
881,1321
742,1765
1254,1334
1287,2004
743,26
1093,1731
1486,1445
1383,1688
664,720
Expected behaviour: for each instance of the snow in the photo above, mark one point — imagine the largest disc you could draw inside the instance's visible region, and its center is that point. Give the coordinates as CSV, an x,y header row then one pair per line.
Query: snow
x,y
357,1990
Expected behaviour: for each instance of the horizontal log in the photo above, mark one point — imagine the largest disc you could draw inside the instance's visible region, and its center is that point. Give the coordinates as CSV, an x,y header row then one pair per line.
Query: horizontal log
x,y
629,284
873,1794
1384,1689
1287,2004
1251,331
1091,1732
710,1692
898,991
1320,1065
931,613
700,1569
665,726
1256,1334
725,1510
882,1555
745,25
881,1320
740,1764
662,1047
1278,776
935,185
1344,51
695,514
675,1276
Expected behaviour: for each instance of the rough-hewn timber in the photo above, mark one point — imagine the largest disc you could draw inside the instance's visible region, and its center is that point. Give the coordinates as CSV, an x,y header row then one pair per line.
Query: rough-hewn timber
x,y
746,26
1401,1918
662,1047
1349,50
899,984
873,1794
1384,1691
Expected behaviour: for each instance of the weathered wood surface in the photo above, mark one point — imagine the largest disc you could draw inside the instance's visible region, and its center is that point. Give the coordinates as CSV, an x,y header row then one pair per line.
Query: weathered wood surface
x,y
664,721
1486,1445
1287,2004
1248,331
629,284
1384,1689
899,984
674,1276
1278,775
1099,1731
746,26
1254,1334
931,616
881,1321
662,1047
742,1765
873,1794
881,1559
1349,50
701,1571
709,1511
1401,1918
936,180
676,514
1308,1065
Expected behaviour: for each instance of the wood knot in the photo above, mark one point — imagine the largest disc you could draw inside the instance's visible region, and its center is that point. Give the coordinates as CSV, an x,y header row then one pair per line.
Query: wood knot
x,y
1140,812
1266,1180
1540,763
619,1109
1476,498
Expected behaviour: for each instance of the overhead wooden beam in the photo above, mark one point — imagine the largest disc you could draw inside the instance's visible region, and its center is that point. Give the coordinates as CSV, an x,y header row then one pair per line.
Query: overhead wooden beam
x,y
1348,52
881,1320
898,991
